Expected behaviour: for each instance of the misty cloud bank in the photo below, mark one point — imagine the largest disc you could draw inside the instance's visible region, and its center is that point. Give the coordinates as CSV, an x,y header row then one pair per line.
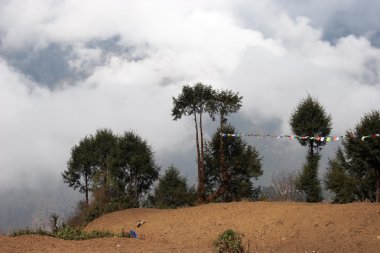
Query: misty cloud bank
x,y
68,68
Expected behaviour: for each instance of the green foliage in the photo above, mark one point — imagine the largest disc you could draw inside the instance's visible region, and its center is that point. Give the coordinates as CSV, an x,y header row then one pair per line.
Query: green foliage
x,y
365,153
195,101
94,213
172,190
351,175
308,181
103,144
117,170
133,167
69,233
224,103
310,119
242,161
80,170
338,180
229,241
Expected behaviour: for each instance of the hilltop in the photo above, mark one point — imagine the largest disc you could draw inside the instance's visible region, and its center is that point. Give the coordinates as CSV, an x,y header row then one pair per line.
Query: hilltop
x,y
267,227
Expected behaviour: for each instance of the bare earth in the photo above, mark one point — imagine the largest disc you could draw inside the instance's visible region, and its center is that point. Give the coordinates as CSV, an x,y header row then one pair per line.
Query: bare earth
x,y
267,227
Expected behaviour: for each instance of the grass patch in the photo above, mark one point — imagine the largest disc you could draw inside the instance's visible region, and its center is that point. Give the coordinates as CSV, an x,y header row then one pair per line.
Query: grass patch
x,y
69,233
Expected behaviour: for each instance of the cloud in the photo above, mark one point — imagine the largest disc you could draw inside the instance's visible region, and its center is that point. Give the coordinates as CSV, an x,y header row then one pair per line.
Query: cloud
x,y
117,64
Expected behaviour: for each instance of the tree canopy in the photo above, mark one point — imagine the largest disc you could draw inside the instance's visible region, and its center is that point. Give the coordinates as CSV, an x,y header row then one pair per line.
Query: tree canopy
x,y
172,190
133,167
310,119
195,101
80,168
359,167
242,161
112,167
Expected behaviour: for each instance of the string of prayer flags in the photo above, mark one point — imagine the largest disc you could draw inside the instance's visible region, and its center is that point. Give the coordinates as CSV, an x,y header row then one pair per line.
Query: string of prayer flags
x,y
370,136
297,137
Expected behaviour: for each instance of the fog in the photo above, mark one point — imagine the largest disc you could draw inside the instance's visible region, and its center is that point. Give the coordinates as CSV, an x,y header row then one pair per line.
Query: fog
x,y
68,68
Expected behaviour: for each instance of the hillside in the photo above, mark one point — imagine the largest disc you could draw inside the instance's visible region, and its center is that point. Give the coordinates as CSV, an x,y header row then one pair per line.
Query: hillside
x,y
268,227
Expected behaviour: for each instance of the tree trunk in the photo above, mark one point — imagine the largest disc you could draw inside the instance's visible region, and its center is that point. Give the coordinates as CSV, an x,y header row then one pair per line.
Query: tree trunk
x,y
200,193
311,145
223,170
378,185
221,190
136,193
86,188
202,174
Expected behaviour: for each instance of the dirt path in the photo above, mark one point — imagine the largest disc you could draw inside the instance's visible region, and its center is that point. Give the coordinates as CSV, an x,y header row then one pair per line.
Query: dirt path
x,y
268,227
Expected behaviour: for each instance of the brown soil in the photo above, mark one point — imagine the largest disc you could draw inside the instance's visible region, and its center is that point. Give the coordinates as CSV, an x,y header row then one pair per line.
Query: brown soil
x,y
267,227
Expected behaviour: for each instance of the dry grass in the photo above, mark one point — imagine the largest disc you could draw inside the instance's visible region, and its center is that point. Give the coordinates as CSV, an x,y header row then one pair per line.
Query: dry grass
x,y
267,227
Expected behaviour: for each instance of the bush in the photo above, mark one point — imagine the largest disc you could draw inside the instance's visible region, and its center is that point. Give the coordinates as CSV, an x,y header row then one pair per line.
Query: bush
x,y
94,213
229,241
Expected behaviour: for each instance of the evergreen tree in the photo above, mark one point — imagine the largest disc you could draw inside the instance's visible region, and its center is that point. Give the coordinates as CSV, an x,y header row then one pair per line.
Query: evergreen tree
x,y
225,102
339,180
364,155
242,161
310,119
308,181
172,190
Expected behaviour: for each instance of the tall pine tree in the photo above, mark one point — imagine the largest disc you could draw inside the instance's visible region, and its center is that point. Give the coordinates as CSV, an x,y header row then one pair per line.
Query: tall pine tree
x,y
310,119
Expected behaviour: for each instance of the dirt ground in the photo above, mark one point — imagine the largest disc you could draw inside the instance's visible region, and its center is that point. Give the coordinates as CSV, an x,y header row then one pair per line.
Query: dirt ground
x,y
267,227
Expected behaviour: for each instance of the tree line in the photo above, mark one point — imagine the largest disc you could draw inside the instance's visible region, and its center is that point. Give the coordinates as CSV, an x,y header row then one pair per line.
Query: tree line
x,y
119,171
354,173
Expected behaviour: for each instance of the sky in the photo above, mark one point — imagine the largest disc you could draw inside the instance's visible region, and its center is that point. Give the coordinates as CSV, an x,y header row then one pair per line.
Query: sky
x,y
68,68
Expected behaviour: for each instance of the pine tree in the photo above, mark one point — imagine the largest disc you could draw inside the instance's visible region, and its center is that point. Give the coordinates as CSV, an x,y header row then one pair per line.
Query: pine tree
x,y
365,154
172,190
310,119
242,161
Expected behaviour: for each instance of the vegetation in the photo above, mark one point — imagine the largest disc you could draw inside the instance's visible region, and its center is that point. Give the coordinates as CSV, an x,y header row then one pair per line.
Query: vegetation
x,y
354,174
172,190
133,168
242,163
80,171
196,101
117,170
225,103
338,179
310,119
68,233
229,242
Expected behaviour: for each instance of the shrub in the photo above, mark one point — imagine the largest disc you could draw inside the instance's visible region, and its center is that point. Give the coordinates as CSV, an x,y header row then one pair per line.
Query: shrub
x,y
229,241
94,213
69,233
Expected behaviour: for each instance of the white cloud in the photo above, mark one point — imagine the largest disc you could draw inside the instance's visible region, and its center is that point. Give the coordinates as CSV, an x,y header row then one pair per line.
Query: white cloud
x,y
273,59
